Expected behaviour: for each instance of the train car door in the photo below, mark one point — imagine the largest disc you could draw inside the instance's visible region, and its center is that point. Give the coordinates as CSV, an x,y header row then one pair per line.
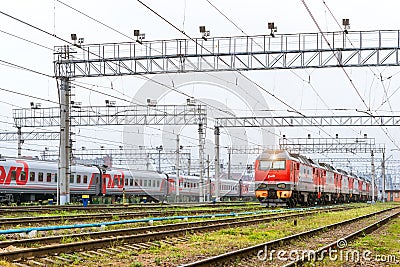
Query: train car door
x,y
105,176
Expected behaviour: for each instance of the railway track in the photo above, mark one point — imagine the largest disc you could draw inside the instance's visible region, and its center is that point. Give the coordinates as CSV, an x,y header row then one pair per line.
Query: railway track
x,y
40,220
259,254
48,250
116,207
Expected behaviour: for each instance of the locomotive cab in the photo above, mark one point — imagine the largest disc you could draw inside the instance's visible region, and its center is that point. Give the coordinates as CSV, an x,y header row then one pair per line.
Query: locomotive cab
x,y
274,177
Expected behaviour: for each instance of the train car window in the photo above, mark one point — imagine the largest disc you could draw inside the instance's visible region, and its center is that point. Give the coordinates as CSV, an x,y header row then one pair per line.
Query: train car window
x,y
72,179
85,179
131,182
23,176
145,183
78,178
272,165
13,175
396,195
158,183
154,183
32,176
136,183
40,179
140,182
48,177
55,177
126,182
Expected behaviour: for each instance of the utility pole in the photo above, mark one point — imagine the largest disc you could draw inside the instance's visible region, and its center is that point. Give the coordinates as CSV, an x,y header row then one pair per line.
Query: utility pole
x,y
201,158
383,178
19,134
64,166
189,161
229,162
216,186
208,178
177,167
159,149
147,161
373,176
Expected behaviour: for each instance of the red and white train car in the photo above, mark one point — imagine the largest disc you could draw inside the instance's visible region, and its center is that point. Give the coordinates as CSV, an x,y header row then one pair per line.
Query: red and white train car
x,y
32,180
282,178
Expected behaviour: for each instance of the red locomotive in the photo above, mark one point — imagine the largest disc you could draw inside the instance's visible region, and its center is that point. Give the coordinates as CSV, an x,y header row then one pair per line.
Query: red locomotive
x,y
286,179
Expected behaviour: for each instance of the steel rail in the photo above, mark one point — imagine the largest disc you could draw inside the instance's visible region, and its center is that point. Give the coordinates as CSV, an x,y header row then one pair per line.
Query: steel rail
x,y
224,259
62,218
365,230
135,235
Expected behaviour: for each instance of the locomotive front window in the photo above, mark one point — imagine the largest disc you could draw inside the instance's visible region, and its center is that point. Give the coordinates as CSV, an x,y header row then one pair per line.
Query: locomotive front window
x,y
272,165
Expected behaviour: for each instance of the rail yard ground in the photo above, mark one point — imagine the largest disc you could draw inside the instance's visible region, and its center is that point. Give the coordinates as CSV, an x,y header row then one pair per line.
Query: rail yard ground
x,y
187,240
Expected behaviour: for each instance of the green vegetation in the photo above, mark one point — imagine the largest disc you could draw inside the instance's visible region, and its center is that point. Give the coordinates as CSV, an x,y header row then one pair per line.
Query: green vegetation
x,y
381,247
235,238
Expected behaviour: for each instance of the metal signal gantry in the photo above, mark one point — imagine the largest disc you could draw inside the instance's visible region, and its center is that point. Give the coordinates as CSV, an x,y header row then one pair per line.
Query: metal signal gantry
x,y
67,116
114,115
21,137
259,52
262,52
13,136
331,145
308,121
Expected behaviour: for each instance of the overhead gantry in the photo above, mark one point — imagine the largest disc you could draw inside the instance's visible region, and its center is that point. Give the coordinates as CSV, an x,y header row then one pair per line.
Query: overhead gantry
x,y
260,52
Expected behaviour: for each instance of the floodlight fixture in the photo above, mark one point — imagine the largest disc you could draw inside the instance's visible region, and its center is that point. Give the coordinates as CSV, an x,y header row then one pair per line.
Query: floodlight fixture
x,y
76,104
191,101
272,28
74,37
35,105
110,103
139,36
346,24
151,102
204,32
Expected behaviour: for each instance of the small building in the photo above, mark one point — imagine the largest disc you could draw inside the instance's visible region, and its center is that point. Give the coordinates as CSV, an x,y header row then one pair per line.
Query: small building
x,y
393,195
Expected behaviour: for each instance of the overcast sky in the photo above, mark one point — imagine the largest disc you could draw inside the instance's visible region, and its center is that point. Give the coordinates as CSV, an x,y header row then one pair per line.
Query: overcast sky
x,y
311,91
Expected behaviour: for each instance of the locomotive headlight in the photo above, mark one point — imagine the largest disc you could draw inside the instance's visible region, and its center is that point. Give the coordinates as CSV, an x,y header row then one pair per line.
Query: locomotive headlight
x,y
281,186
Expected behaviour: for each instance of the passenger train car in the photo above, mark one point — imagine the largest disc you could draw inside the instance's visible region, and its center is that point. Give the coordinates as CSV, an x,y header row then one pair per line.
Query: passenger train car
x,y
32,180
282,178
